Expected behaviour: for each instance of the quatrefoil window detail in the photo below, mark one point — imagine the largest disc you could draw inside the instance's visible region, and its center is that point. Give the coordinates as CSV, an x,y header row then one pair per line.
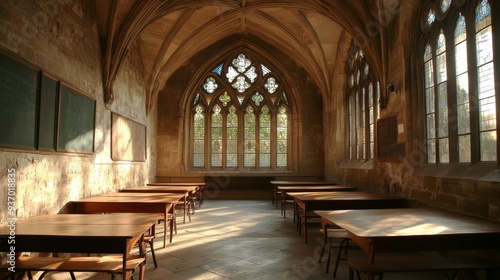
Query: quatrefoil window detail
x,y
210,85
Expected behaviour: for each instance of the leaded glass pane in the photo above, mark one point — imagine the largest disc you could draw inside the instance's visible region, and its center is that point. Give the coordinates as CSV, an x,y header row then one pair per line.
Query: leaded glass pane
x,y
461,57
282,160
216,135
216,160
429,101
431,17
442,111
441,68
463,116
282,135
271,86
460,30
484,45
487,114
429,74
488,145
225,99
257,98
210,85
199,138
232,138
483,11
265,138
444,150
241,84
431,151
265,70
199,160
241,63
431,126
249,160
445,5
231,74
464,153
218,69
249,134
232,160
265,160
251,74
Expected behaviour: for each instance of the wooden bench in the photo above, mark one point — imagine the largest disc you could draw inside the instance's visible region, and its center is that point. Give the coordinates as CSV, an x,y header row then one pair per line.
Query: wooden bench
x,y
107,264
420,263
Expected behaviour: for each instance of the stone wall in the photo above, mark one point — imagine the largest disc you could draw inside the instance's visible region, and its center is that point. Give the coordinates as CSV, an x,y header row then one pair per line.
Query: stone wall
x,y
60,38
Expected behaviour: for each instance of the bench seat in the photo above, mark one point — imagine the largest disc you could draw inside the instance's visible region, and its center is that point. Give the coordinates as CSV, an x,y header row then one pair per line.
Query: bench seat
x,y
107,264
418,263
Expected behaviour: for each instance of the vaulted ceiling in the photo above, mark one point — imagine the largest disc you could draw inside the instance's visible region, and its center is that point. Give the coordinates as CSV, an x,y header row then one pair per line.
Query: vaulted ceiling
x,y
170,32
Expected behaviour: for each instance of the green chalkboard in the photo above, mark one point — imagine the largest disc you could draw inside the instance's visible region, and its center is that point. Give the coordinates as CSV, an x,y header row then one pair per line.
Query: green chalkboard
x,y
76,122
48,114
18,104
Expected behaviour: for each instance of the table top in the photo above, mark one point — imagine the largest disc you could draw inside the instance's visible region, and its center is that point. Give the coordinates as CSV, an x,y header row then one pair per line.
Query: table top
x,y
408,222
301,183
119,225
178,184
315,188
161,189
96,219
414,230
339,196
134,198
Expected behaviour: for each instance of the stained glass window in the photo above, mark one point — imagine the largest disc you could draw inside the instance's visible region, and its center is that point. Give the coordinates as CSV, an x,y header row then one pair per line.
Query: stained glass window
x,y
362,107
235,128
469,134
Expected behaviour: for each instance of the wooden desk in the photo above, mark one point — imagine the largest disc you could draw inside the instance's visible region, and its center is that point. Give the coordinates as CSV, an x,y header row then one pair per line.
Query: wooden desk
x,y
63,233
311,201
319,188
414,229
199,191
162,189
190,191
294,183
132,203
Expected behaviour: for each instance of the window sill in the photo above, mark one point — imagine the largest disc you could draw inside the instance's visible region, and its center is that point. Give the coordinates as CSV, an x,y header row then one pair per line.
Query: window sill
x,y
483,171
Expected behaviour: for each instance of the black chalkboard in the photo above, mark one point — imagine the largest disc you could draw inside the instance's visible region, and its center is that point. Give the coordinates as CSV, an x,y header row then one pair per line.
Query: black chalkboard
x,y
48,114
18,104
76,122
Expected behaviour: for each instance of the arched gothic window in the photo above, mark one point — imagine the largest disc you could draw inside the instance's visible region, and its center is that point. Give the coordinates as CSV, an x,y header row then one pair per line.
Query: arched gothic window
x,y
363,93
459,87
240,118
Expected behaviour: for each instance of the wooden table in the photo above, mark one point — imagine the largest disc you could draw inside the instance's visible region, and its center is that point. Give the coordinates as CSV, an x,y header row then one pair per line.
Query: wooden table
x,y
189,190
319,188
199,191
414,229
294,183
101,234
133,203
311,201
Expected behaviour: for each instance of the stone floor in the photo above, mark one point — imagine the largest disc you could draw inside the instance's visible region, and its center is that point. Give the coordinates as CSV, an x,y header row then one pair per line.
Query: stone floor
x,y
242,239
